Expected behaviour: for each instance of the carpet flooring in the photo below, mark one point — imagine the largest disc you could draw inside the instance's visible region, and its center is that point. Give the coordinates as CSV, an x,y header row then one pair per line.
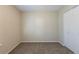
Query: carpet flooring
x,y
41,48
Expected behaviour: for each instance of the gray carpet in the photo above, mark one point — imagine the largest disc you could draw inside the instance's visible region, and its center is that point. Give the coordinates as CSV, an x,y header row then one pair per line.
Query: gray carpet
x,y
41,48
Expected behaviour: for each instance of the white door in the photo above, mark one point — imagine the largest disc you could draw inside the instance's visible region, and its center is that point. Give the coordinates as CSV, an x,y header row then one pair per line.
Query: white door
x,y
71,29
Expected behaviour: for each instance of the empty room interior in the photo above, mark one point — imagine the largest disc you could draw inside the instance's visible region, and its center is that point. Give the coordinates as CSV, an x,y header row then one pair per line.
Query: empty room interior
x,y
39,29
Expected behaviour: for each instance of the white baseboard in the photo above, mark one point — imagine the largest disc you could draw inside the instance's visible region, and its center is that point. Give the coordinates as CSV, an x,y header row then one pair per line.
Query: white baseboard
x,y
37,41
13,47
61,43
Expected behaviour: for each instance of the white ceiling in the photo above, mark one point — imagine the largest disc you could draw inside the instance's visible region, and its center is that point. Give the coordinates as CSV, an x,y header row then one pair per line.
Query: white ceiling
x,y
29,8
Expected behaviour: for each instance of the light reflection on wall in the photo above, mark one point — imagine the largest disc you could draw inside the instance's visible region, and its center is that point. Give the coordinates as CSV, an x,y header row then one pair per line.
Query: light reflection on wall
x,y
40,26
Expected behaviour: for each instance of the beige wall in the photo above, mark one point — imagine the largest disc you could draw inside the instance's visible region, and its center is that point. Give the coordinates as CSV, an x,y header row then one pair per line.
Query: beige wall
x,y
40,27
9,28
